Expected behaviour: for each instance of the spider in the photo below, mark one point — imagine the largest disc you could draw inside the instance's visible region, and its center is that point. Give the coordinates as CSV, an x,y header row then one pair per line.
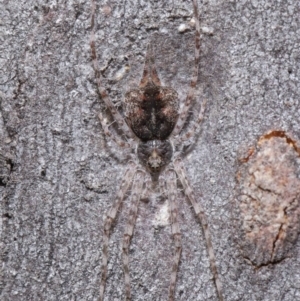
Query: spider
x,y
153,127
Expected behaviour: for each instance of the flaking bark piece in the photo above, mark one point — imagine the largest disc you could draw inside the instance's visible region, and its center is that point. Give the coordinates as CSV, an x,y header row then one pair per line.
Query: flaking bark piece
x,y
269,198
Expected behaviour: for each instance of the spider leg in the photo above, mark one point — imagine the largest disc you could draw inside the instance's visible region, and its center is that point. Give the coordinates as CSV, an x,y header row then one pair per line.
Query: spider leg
x,y
147,191
150,74
108,133
110,218
116,115
171,188
180,170
192,131
188,101
135,198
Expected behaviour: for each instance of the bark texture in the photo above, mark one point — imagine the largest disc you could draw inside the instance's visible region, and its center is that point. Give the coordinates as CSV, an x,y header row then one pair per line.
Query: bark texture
x,y
59,175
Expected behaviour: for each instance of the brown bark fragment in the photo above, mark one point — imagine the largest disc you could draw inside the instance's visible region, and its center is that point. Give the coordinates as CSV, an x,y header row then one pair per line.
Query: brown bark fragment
x,y
269,198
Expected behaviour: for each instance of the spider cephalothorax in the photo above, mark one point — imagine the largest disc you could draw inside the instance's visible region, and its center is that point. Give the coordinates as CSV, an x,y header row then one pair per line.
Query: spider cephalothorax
x,y
152,126
155,155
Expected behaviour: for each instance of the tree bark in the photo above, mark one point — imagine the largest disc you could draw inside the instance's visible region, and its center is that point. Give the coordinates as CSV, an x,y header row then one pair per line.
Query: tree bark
x,y
59,175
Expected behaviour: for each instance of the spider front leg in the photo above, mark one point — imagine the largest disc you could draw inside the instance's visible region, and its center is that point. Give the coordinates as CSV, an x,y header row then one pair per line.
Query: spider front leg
x,y
116,115
110,218
137,188
180,170
171,188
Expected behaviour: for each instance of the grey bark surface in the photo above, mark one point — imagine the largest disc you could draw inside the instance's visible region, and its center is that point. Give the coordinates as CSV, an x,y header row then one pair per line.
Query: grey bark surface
x,y
59,174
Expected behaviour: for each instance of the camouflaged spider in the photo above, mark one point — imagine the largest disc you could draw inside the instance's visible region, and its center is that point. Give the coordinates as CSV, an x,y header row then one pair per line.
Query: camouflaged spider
x,y
153,128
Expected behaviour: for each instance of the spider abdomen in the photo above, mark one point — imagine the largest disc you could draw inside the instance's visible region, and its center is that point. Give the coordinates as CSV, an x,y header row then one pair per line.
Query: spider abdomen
x,y
151,111
155,154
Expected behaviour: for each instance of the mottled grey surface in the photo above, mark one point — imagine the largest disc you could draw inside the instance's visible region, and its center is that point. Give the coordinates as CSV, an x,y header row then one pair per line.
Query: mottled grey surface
x,y
58,176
